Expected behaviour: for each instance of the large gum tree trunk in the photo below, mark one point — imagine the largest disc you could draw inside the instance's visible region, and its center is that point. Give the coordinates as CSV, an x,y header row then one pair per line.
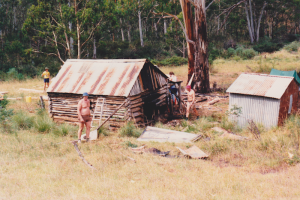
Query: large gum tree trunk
x,y
201,78
189,28
195,27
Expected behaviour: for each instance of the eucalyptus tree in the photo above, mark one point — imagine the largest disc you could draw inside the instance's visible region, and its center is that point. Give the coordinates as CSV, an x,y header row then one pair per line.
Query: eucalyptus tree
x,y
49,21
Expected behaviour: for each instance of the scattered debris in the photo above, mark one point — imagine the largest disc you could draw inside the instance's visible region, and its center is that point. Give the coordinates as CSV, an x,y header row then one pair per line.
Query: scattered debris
x,y
138,150
228,134
193,152
143,149
157,152
291,156
165,135
16,98
80,155
212,102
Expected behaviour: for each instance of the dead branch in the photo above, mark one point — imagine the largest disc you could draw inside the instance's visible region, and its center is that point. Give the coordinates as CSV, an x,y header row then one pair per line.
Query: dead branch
x,y
81,156
92,32
228,11
58,54
183,29
209,4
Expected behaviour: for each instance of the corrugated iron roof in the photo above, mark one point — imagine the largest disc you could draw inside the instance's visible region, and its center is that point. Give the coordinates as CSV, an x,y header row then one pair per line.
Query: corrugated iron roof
x,y
97,77
260,85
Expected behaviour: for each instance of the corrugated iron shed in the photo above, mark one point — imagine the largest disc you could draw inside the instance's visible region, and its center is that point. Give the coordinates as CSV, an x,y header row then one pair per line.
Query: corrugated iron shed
x,y
260,85
98,77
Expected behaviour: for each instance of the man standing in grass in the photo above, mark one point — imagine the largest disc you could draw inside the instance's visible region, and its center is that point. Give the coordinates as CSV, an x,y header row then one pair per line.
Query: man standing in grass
x,y
84,116
191,100
46,75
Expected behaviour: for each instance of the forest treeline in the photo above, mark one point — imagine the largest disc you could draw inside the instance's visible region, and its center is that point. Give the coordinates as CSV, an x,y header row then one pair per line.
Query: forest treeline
x,y
39,33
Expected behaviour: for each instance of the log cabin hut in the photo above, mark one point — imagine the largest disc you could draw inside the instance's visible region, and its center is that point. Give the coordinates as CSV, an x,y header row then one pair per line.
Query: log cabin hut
x,y
265,99
136,83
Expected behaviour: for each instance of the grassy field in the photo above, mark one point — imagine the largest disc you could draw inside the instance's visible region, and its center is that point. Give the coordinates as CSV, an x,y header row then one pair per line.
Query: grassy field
x,y
38,161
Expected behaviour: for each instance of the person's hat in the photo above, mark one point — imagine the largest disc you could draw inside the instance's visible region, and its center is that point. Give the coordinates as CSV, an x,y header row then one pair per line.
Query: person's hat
x,y
46,68
188,87
85,94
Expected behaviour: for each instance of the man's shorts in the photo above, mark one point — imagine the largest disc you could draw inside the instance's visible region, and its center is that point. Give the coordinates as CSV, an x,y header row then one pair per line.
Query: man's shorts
x,y
86,118
46,80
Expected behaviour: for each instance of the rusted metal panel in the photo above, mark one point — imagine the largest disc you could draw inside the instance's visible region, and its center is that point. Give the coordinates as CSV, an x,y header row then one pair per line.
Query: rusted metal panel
x,y
260,85
98,77
262,110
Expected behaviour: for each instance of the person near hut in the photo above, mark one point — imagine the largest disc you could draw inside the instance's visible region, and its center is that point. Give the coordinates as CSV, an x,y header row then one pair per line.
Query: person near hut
x,y
46,75
190,102
172,77
84,116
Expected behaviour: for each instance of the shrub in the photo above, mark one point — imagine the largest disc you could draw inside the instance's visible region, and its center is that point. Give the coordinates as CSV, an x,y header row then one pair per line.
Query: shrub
x,y
43,123
22,120
294,46
267,45
5,116
129,144
62,130
103,130
130,130
248,53
230,52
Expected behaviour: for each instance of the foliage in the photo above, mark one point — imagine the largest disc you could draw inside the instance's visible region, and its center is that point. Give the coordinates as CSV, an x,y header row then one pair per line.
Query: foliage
x,y
129,144
23,120
63,130
172,61
5,116
43,123
294,46
130,130
267,45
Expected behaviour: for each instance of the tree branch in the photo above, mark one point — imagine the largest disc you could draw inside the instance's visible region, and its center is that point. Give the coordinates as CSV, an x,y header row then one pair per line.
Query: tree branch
x,y
92,32
183,29
58,54
228,11
209,4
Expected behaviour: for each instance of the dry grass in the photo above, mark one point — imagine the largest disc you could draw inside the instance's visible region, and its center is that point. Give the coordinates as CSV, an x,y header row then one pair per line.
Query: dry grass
x,y
46,166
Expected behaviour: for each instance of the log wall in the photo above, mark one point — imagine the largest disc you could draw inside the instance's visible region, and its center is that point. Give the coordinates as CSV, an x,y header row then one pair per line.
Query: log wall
x,y
63,107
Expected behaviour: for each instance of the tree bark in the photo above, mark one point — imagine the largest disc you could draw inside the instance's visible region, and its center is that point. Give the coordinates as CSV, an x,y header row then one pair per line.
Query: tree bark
x,y
94,49
122,32
189,28
78,32
140,28
201,78
258,24
249,24
165,26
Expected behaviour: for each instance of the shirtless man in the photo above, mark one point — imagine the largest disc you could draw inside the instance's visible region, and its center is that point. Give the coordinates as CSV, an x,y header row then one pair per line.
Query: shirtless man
x,y
191,100
84,116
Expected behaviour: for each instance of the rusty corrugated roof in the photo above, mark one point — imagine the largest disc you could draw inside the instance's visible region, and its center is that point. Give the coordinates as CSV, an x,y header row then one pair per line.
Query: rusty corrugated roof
x,y
97,77
260,85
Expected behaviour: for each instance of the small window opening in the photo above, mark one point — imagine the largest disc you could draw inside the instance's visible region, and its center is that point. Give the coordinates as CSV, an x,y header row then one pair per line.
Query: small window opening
x,y
291,104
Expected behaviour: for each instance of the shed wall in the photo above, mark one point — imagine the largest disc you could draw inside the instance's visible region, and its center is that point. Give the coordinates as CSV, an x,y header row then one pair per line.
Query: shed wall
x,y
285,102
261,110
63,108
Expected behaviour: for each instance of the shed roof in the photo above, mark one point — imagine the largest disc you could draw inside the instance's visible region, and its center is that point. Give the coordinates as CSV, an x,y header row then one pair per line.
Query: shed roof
x,y
97,77
292,73
260,85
